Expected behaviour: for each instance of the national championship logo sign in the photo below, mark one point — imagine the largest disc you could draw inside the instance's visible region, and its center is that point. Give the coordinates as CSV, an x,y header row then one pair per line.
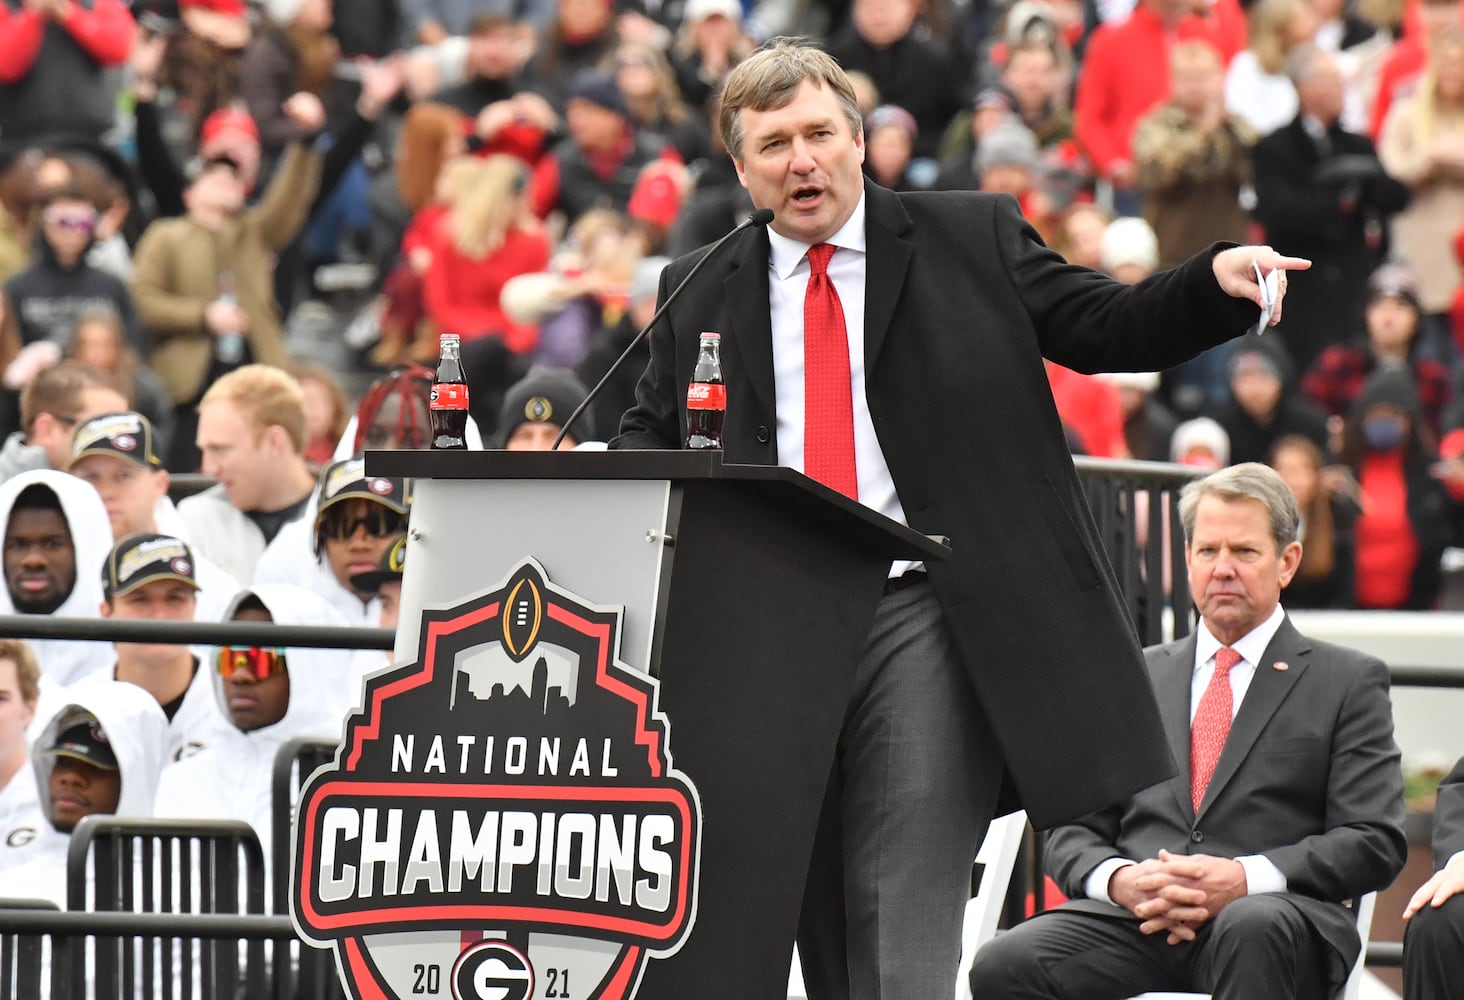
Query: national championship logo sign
x,y
503,820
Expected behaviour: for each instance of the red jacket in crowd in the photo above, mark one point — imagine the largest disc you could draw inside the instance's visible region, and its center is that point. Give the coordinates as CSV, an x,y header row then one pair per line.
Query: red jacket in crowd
x,y
1126,74
461,295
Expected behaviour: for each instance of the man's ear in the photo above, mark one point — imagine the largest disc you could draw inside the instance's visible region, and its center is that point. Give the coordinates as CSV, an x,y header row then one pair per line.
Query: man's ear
x,y
105,609
42,430
1290,562
279,441
741,168
161,482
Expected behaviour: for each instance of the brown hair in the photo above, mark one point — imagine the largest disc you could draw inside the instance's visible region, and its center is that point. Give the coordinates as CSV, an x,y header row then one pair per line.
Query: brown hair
x,y
1318,555
315,54
768,79
27,670
203,72
265,395
668,102
125,371
317,372
425,131
58,389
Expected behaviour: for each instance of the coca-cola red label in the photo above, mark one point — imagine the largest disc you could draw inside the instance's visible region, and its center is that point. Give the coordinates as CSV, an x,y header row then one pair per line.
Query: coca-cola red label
x,y
449,397
706,396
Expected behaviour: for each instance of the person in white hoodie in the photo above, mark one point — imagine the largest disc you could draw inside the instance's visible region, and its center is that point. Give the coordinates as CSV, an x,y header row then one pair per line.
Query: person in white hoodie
x,y
21,819
357,518
270,695
100,754
150,577
56,535
115,453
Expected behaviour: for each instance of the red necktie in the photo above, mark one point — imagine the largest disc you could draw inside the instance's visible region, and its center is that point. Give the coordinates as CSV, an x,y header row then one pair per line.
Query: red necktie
x,y
1211,725
828,404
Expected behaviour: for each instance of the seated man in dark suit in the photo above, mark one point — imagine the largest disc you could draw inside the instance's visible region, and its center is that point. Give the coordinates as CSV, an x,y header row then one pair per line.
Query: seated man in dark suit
x,y
1433,944
1234,877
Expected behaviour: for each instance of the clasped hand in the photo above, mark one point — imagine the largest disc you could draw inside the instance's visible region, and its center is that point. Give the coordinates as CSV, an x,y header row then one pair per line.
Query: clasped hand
x,y
1177,894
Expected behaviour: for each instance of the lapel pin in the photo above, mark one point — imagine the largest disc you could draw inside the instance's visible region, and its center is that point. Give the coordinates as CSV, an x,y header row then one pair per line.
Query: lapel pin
x,y
1280,665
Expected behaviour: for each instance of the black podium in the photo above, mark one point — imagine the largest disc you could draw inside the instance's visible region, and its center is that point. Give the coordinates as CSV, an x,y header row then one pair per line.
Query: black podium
x,y
747,593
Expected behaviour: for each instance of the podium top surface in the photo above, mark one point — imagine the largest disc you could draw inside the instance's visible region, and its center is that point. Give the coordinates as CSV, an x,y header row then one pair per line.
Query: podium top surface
x,y
779,482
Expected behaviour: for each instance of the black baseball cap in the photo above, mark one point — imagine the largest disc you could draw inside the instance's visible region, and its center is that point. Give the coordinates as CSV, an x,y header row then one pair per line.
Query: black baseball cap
x,y
80,737
143,558
392,567
128,436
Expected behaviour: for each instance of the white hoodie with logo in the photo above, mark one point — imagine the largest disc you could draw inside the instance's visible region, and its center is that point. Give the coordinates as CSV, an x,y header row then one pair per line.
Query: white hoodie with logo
x,y
67,661
137,730
21,820
319,680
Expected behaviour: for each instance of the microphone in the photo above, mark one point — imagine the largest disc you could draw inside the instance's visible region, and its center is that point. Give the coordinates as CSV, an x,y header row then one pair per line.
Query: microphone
x,y
759,218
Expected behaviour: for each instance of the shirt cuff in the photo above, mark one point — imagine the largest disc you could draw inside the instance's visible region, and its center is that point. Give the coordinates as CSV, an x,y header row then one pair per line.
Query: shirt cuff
x,y
1261,875
1095,886
1457,858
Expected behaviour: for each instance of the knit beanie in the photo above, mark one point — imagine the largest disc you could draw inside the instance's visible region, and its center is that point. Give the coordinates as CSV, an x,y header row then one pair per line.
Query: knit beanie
x,y
1392,385
1259,352
1010,144
282,12
1129,240
1201,432
544,396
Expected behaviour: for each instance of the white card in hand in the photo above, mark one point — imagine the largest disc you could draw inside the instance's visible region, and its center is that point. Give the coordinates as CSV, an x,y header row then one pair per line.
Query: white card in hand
x,y
1269,284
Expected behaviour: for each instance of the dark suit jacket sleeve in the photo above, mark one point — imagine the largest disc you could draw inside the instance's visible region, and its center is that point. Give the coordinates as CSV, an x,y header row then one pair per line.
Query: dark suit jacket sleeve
x,y
1362,845
654,421
1086,322
1448,831
1074,850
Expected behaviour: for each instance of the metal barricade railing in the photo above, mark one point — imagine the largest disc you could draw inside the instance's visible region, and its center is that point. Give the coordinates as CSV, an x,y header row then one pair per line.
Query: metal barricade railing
x,y
185,867
196,633
22,953
314,974
68,932
1136,508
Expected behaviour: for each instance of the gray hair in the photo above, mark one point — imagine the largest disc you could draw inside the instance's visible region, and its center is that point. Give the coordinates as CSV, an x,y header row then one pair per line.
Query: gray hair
x,y
1247,481
768,79
1302,61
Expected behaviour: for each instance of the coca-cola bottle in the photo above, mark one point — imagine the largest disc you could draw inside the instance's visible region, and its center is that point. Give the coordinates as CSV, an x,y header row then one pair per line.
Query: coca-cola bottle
x,y
449,400
706,397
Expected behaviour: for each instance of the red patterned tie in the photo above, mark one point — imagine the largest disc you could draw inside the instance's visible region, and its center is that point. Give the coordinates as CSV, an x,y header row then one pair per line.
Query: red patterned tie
x,y
1211,725
828,404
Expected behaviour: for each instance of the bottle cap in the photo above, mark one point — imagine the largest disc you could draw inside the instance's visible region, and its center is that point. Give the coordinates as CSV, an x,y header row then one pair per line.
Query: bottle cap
x,y
711,336
448,336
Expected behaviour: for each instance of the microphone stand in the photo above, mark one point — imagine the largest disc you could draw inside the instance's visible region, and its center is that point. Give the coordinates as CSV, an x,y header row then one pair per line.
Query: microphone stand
x,y
759,218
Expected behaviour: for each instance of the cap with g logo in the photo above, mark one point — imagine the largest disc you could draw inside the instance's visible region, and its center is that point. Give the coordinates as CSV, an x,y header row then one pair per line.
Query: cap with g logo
x,y
81,737
143,558
128,436
347,480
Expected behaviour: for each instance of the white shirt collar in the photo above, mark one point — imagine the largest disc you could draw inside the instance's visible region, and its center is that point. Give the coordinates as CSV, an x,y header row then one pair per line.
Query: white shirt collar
x,y
1251,646
787,254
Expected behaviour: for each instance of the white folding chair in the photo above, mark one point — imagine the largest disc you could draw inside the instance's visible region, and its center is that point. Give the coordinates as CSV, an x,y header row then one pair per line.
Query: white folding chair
x,y
1351,990
997,857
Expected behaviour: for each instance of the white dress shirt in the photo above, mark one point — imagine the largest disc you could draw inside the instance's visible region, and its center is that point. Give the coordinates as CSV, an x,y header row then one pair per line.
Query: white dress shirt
x,y
787,285
1260,874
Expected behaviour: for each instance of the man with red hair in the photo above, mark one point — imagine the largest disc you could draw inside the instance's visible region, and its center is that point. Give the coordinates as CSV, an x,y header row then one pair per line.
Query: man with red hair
x,y
53,58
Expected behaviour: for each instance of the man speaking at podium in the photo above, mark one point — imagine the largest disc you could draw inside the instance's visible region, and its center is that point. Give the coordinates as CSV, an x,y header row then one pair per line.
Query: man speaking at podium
x,y
891,347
